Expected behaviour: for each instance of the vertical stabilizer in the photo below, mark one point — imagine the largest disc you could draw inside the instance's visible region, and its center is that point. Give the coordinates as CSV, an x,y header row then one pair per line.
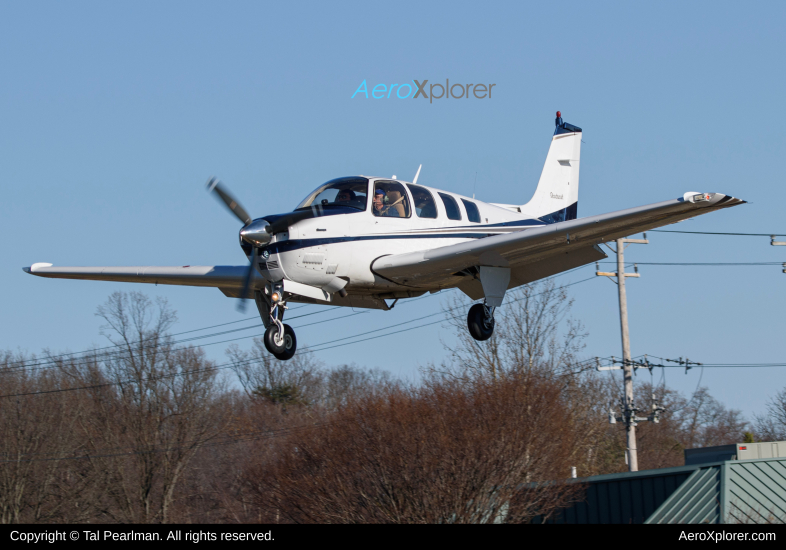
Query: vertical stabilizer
x,y
557,195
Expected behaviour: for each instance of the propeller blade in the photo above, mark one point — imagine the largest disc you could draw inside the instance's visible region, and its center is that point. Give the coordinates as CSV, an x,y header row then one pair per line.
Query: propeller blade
x,y
215,186
249,277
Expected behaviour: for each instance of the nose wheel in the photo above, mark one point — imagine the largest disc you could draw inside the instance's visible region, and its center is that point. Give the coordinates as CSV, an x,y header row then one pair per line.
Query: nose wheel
x,y
281,343
480,321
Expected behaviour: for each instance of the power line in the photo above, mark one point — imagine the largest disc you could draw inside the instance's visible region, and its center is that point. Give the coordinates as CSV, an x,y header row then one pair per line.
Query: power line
x,y
254,435
718,233
233,364
52,362
136,342
693,364
426,324
700,263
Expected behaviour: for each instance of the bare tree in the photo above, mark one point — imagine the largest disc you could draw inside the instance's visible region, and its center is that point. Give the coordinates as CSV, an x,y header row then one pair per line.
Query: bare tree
x,y
348,381
297,381
36,443
704,421
153,405
771,426
533,333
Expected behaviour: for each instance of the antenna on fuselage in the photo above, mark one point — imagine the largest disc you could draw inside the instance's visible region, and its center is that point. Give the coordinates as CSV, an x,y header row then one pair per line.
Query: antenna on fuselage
x,y
474,185
414,181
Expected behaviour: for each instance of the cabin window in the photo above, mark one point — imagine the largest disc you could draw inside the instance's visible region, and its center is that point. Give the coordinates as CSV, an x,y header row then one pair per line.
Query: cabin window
x,y
473,214
451,206
341,194
425,207
390,200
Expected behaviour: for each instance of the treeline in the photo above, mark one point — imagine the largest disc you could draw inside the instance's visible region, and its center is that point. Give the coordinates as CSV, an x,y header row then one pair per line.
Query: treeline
x,y
146,431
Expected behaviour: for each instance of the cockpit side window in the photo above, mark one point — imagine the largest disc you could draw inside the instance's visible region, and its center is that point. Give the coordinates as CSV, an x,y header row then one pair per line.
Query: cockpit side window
x,y
425,207
390,200
339,193
451,206
473,214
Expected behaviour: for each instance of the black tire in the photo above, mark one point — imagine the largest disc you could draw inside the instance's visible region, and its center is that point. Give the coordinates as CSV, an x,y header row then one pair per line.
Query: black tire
x,y
287,349
270,339
479,327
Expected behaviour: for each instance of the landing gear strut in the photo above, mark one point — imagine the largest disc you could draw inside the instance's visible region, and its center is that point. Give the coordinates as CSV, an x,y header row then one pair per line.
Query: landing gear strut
x,y
279,338
480,321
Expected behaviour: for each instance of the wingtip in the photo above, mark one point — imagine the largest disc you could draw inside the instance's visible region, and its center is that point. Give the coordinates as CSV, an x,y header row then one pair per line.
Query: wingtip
x,y
32,269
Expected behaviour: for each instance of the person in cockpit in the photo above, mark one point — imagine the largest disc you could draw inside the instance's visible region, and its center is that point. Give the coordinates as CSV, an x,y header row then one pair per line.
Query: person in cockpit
x,y
346,195
390,204
379,208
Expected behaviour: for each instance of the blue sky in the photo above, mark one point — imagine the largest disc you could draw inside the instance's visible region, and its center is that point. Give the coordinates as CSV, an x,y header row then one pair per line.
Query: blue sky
x,y
113,115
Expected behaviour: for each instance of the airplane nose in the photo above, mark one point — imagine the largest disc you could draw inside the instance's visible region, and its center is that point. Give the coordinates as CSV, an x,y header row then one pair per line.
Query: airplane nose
x,y
256,233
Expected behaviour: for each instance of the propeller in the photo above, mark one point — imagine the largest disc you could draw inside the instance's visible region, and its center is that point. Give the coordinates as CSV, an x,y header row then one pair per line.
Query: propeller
x,y
249,277
259,232
256,233
215,186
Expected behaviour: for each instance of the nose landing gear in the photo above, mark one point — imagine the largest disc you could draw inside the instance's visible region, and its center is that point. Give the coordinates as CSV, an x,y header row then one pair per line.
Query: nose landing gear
x,y
480,321
279,338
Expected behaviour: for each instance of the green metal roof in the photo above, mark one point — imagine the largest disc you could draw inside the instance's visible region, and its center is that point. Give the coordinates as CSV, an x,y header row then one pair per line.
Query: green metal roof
x,y
733,491
629,497
697,500
755,491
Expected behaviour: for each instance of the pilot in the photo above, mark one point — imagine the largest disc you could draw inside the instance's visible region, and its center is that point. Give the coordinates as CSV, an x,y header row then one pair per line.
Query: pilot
x,y
346,195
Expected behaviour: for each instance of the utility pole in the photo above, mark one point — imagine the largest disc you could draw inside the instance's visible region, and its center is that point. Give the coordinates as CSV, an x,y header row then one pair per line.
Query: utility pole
x,y
629,410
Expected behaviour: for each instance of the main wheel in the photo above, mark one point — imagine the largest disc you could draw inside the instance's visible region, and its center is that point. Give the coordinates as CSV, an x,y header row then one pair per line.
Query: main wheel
x,y
282,348
480,327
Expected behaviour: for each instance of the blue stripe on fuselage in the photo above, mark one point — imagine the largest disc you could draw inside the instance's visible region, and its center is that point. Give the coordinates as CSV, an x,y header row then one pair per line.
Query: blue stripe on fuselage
x,y
296,244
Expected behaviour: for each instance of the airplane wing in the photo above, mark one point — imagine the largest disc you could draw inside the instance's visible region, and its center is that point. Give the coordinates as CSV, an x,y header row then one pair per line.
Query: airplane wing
x,y
541,251
228,278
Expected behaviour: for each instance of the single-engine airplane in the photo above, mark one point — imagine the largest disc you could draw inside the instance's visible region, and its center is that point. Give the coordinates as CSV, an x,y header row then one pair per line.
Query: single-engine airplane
x,y
362,241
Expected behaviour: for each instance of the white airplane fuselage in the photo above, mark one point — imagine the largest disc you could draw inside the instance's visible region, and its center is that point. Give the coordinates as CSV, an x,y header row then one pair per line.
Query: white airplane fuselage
x,y
317,250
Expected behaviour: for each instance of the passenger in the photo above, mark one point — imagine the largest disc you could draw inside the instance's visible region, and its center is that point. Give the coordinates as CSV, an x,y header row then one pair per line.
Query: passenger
x,y
424,204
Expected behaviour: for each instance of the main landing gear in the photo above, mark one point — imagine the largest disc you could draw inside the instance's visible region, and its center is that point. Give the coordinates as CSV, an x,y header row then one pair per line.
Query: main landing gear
x,y
480,321
279,338
494,281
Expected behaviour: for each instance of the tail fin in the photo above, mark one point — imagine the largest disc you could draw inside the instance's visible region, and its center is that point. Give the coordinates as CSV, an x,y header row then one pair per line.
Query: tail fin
x,y
557,195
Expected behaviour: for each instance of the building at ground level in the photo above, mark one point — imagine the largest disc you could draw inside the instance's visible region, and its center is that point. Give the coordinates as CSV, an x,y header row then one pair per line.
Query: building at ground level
x,y
724,491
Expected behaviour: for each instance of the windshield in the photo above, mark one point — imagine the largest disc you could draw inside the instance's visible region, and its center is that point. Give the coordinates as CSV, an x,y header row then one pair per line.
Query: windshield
x,y
341,192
